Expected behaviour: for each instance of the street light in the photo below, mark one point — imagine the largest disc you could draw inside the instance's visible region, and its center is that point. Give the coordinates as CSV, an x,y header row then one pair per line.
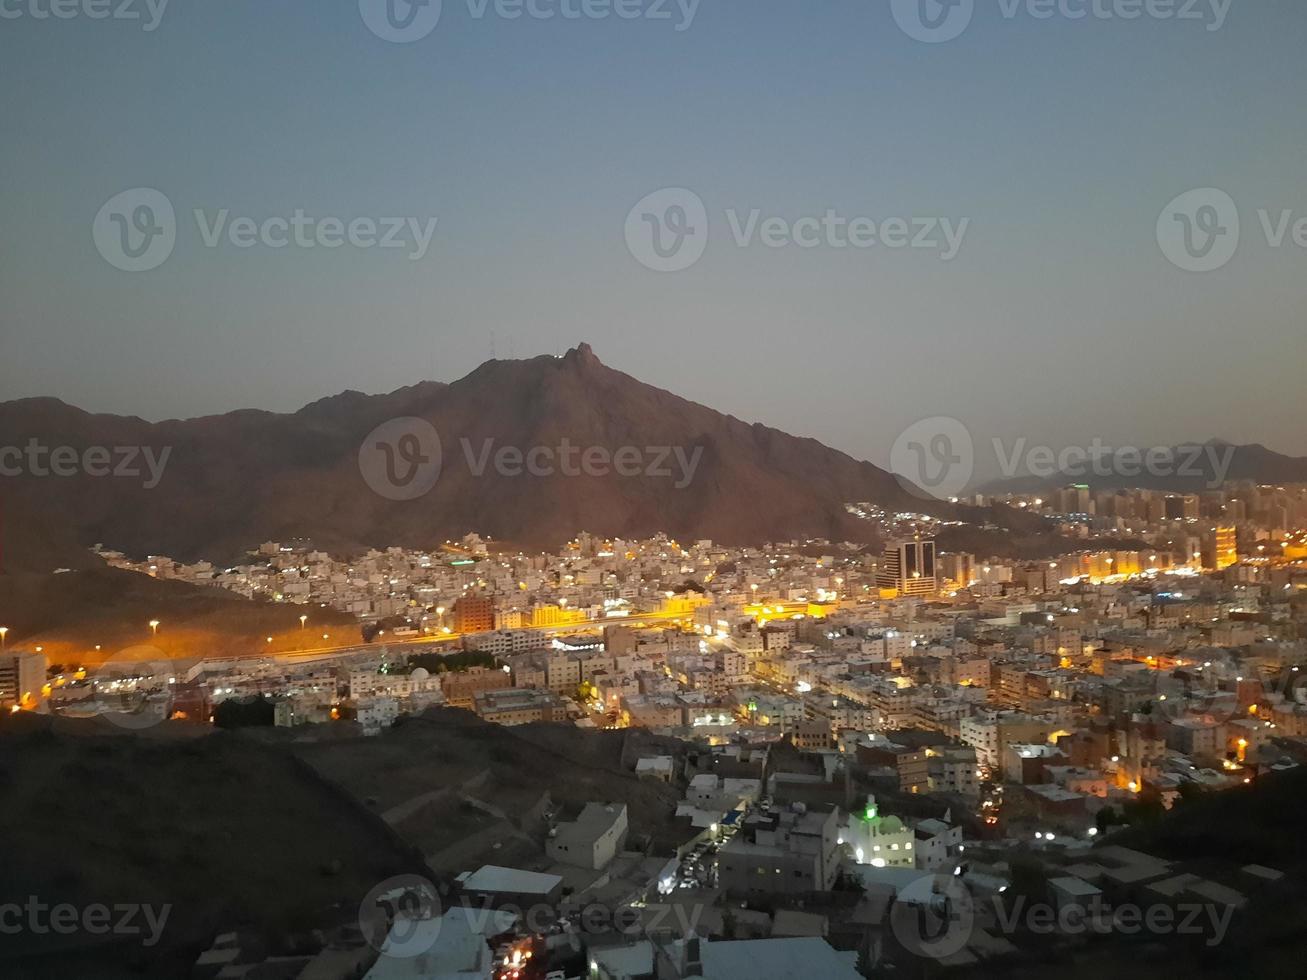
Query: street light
x,y
154,627
303,619
4,631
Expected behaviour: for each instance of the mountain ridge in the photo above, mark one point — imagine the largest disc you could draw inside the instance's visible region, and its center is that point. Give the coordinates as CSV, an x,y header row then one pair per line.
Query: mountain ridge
x,y
1249,461
235,479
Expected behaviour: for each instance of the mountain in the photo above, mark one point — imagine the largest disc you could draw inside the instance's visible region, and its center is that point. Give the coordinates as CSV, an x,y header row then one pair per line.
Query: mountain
x,y
214,487
1186,468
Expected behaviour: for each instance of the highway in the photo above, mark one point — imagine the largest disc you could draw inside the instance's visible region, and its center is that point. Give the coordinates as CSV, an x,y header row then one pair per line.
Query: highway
x,y
444,639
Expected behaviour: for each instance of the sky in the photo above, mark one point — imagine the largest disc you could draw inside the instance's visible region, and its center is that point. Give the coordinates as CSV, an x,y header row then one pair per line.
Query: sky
x,y
1052,147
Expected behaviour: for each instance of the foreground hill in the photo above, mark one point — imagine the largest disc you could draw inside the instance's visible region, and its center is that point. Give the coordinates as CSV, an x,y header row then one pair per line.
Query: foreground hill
x,y
229,482
263,831
467,792
223,831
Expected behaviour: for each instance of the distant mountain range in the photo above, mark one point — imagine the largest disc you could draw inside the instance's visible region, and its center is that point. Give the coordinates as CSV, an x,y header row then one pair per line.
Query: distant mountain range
x,y
1187,468
513,437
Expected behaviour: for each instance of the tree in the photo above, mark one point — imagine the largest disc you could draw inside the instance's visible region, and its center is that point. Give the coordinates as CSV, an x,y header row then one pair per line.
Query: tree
x,y
1190,791
1147,807
1104,819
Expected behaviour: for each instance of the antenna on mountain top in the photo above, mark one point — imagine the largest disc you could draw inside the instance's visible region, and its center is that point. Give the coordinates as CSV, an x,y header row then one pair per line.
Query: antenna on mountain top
x,y
492,345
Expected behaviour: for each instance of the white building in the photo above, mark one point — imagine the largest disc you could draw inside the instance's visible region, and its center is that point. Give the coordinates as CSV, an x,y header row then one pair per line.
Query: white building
x,y
593,839
451,947
374,714
937,845
881,841
22,676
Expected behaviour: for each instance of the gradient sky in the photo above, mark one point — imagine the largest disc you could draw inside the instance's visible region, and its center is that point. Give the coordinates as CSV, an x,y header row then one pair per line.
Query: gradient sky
x,y
1060,320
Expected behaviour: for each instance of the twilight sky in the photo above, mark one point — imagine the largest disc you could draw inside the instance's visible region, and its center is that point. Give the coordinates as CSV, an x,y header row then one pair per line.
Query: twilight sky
x,y
1060,140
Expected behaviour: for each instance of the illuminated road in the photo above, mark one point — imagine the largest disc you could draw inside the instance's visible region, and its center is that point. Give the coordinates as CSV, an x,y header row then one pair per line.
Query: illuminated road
x,y
589,626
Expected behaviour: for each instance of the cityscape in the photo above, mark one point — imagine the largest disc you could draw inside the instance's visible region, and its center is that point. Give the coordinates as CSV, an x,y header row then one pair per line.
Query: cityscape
x,y
652,490
869,722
